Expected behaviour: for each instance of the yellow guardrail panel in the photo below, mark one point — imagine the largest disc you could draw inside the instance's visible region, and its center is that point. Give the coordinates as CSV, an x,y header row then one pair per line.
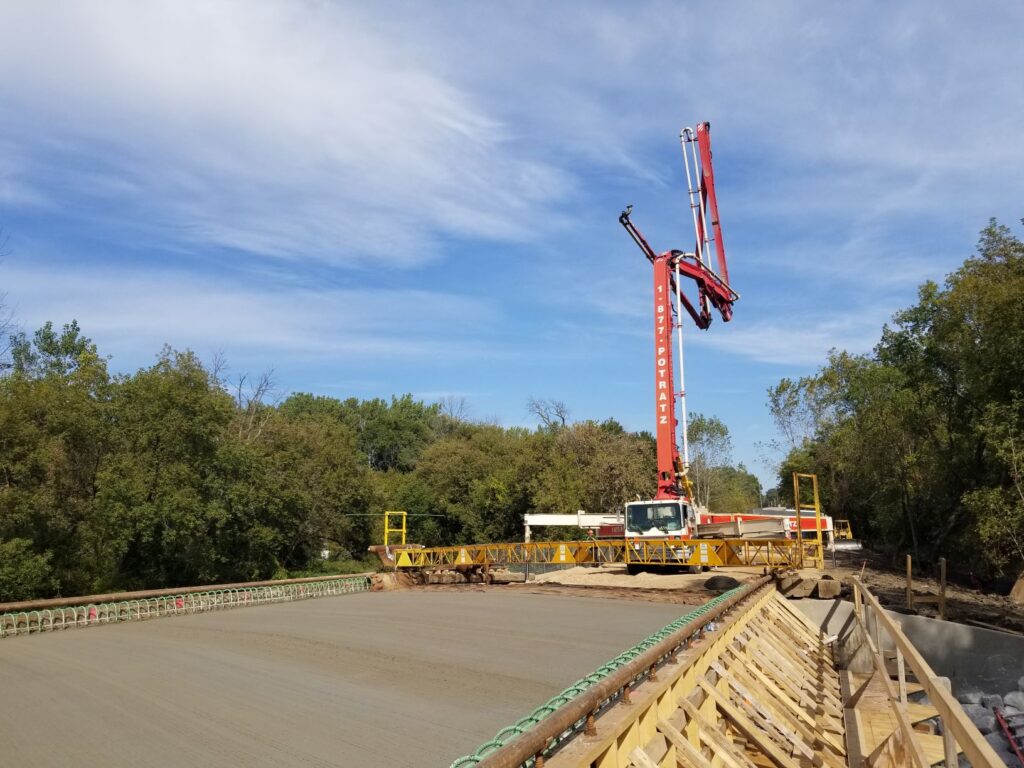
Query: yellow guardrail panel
x,y
774,553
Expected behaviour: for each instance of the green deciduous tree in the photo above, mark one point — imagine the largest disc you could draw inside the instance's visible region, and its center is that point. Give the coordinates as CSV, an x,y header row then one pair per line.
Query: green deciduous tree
x,y
54,435
915,444
24,574
710,450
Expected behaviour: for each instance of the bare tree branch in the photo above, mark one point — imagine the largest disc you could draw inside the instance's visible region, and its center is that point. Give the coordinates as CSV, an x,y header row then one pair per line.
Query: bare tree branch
x,y
249,398
219,368
455,408
7,326
553,414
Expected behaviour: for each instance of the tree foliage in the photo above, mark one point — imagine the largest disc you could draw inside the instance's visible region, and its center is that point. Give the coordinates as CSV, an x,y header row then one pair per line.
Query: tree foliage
x,y
919,444
174,475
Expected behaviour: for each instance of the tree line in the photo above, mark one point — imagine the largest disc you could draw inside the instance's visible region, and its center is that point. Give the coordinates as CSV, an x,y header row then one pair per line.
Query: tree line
x,y
920,444
173,476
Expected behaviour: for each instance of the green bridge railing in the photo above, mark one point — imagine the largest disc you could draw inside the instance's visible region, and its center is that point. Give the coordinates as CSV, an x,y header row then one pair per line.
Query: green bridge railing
x,y
92,614
536,717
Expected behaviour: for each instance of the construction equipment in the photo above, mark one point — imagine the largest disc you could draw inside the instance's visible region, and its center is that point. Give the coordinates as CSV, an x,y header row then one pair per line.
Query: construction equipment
x,y
843,530
641,553
817,529
670,514
780,521
394,525
597,525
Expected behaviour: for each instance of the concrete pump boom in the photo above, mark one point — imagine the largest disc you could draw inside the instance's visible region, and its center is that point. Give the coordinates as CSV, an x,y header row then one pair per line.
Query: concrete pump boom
x,y
713,290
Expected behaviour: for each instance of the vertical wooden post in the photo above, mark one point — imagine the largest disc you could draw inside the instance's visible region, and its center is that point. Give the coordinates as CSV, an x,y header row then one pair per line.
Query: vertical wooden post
x,y
817,522
910,584
799,525
901,669
948,742
942,588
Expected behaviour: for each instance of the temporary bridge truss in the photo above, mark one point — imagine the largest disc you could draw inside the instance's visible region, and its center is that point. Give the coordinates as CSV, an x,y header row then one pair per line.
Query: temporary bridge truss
x,y
773,553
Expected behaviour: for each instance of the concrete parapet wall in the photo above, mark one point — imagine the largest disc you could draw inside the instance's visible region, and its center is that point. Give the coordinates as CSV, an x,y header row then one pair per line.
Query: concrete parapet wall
x,y
974,659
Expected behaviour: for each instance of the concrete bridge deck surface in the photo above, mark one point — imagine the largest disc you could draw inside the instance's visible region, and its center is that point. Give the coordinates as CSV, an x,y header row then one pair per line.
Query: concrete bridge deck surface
x,y
394,678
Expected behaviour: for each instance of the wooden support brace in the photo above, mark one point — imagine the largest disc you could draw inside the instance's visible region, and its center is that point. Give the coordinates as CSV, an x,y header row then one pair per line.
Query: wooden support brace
x,y
718,741
686,754
747,728
641,759
778,716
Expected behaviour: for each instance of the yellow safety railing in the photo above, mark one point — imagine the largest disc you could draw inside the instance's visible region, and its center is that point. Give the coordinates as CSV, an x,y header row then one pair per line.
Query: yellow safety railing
x,y
393,529
773,553
817,547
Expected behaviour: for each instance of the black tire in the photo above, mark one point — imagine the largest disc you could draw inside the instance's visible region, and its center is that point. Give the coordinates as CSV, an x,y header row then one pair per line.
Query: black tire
x,y
721,583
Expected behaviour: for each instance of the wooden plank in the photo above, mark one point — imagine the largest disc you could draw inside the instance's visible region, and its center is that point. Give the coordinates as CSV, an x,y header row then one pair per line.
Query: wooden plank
x,y
918,713
810,656
641,760
910,584
687,755
942,588
876,727
977,750
747,728
800,675
856,679
723,748
949,750
797,719
765,712
782,626
863,690
890,752
783,605
901,676
790,679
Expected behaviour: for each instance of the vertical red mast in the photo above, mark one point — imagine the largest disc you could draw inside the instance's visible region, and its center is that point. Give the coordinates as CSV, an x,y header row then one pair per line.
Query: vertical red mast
x,y
712,291
664,386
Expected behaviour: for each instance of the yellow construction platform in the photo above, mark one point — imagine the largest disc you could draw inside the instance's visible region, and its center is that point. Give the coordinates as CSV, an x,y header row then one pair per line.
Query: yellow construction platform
x,y
773,553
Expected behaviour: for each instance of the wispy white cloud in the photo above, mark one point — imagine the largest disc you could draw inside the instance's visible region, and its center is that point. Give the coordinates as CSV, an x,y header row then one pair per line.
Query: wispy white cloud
x,y
794,338
384,132
346,133
15,189
130,311
284,129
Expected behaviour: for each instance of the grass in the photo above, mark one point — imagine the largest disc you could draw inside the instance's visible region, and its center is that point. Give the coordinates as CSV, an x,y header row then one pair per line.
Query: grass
x,y
330,568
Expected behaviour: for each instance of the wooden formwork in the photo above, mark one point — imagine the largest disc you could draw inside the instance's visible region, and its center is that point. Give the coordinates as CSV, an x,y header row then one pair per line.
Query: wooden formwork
x,y
888,727
759,685
761,689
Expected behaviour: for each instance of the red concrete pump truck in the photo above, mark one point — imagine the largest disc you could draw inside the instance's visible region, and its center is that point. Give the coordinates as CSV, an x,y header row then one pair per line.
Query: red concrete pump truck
x,y
670,513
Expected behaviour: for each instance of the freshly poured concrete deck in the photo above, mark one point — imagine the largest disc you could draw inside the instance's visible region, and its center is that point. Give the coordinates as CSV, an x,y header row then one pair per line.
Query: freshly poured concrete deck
x,y
394,678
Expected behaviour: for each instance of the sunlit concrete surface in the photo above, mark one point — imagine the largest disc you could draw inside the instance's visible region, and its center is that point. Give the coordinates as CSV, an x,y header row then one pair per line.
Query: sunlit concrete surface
x,y
393,678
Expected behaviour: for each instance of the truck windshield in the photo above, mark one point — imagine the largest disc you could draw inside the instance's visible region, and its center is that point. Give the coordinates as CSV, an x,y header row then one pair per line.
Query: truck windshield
x,y
640,518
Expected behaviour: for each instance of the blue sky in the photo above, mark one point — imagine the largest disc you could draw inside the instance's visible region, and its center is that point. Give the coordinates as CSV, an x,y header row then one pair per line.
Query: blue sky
x,y
393,197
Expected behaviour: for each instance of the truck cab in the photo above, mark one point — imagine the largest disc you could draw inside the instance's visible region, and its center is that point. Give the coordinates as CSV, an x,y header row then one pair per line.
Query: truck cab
x,y
659,519
655,521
